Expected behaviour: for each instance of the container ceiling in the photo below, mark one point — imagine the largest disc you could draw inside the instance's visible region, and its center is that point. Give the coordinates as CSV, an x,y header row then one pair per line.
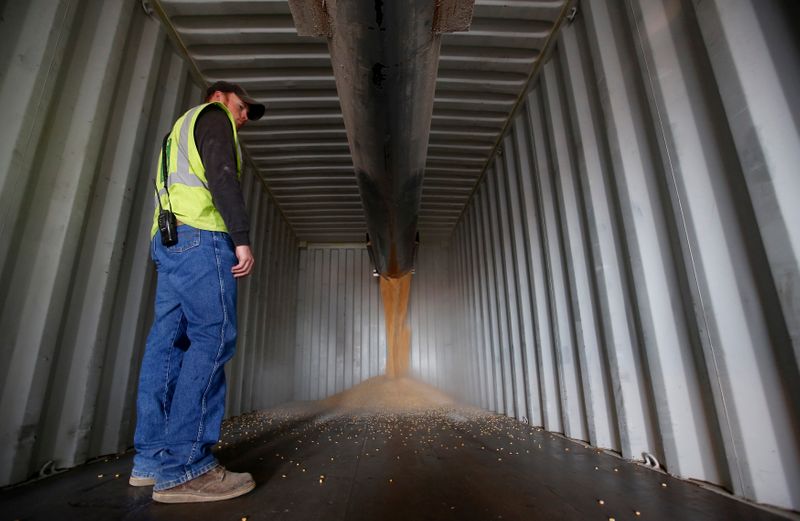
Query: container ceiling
x,y
300,145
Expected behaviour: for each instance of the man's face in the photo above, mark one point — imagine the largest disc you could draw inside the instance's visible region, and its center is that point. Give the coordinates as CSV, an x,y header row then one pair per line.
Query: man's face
x,y
236,106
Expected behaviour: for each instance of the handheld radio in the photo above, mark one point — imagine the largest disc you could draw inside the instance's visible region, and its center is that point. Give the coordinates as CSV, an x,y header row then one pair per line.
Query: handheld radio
x,y
167,222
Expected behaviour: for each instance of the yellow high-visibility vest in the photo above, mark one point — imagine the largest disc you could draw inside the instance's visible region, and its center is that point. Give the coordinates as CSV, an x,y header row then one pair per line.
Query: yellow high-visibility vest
x,y
186,175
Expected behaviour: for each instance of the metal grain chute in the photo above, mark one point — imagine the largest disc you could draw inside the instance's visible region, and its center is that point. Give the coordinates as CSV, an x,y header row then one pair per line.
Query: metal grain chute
x,y
385,56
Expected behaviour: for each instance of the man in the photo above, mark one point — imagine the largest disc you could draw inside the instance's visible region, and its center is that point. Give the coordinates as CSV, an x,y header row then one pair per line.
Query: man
x,y
181,398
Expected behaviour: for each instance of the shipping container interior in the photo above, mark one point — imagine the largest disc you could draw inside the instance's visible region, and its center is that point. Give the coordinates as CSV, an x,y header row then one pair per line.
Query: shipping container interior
x,y
609,227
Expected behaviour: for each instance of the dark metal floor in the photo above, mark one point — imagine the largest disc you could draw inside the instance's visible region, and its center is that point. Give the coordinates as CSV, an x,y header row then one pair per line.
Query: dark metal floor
x,y
447,464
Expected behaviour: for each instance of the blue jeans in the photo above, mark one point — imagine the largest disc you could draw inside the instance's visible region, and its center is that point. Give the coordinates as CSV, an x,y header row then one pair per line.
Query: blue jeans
x,y
181,400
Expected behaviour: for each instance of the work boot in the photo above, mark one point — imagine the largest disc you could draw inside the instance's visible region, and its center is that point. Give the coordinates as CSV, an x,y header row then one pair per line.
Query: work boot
x,y
136,481
215,485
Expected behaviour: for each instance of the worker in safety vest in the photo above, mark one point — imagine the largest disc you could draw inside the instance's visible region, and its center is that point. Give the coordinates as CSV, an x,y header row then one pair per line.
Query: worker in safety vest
x,y
181,398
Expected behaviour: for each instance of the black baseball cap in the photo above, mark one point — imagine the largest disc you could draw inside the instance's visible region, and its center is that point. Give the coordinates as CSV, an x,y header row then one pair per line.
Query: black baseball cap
x,y
254,109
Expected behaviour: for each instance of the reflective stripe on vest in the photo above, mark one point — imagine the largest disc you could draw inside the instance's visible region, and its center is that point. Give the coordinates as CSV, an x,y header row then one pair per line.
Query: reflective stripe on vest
x,y
188,186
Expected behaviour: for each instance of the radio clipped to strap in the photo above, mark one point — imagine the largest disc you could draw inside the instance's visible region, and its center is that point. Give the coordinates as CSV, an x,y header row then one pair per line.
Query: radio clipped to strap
x,y
167,222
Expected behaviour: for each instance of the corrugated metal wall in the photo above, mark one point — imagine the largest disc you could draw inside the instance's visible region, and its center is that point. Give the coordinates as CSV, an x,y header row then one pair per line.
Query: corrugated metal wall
x,y
341,340
90,87
433,359
261,373
628,269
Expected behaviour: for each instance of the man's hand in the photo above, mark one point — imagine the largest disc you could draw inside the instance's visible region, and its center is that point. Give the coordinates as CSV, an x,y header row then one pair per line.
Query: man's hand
x,y
246,262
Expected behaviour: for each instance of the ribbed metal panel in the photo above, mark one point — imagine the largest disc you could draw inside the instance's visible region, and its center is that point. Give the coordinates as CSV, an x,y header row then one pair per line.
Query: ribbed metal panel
x,y
482,74
341,340
429,318
627,270
261,374
91,87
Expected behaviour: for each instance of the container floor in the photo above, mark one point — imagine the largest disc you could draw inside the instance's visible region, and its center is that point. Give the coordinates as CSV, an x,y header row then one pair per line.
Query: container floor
x,y
347,461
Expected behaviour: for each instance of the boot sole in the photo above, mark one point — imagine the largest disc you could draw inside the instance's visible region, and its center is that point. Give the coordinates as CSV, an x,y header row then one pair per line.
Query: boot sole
x,y
141,482
165,496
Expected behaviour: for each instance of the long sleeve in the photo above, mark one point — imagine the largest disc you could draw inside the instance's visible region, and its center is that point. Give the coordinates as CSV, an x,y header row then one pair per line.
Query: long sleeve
x,y
214,138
